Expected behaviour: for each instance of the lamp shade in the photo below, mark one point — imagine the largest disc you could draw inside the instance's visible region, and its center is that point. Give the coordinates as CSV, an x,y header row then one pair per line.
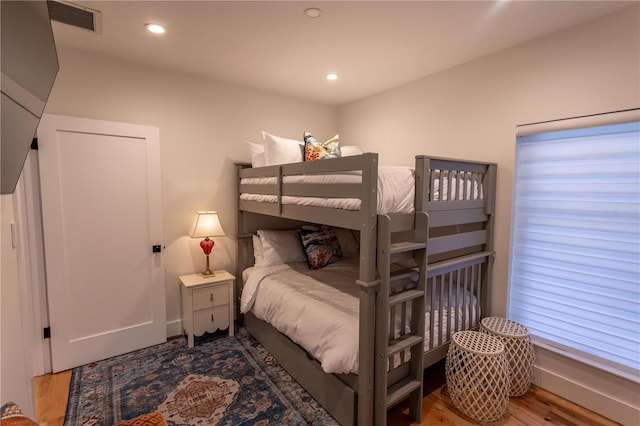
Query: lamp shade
x,y
207,224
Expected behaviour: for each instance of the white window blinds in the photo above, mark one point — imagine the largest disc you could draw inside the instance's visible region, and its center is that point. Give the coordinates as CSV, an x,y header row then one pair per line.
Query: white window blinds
x,y
575,243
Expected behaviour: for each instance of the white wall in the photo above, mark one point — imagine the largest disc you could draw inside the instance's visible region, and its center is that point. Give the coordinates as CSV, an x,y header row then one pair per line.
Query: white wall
x,y
15,369
472,111
203,128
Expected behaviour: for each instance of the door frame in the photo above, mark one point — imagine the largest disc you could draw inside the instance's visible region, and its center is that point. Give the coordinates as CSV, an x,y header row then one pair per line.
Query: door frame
x,y
31,266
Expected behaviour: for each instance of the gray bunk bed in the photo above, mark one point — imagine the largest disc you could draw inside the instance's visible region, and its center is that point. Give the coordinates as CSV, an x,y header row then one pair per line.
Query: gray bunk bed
x,y
428,270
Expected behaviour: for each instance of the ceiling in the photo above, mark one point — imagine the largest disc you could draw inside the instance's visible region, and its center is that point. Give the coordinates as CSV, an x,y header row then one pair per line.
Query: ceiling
x,y
274,46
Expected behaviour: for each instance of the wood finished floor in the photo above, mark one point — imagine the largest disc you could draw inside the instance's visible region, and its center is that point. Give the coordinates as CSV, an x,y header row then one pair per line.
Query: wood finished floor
x,y
536,408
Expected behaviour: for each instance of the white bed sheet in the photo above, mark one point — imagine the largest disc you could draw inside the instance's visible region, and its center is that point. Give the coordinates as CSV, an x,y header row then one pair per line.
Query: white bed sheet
x,y
322,318
396,190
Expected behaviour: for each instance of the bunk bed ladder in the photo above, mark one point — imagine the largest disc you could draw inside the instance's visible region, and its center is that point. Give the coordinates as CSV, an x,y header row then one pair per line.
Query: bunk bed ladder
x,y
402,264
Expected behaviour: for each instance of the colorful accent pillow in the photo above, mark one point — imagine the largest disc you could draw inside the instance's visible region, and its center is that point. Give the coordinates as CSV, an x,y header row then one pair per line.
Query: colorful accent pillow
x,y
314,150
320,245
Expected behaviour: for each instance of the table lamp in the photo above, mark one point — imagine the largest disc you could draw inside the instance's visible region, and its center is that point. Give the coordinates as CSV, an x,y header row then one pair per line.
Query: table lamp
x,y
207,224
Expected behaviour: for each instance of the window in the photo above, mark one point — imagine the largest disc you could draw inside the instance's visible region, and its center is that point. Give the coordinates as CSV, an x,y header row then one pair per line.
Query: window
x,y
575,242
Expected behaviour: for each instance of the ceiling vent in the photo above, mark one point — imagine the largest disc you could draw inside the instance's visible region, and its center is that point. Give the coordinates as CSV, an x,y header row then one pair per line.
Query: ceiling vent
x,y
75,15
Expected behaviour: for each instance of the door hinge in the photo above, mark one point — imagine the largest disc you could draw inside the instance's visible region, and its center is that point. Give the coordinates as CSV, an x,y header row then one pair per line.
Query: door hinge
x,y
46,332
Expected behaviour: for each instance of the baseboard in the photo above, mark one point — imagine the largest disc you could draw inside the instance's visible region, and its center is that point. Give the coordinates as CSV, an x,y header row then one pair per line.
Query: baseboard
x,y
174,328
604,404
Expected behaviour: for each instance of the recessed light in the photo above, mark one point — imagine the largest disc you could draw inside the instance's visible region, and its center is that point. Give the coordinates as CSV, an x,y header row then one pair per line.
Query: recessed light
x,y
332,76
155,28
313,12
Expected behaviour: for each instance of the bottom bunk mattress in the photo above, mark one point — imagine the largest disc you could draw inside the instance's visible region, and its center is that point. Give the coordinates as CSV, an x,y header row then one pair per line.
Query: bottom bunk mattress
x,y
319,309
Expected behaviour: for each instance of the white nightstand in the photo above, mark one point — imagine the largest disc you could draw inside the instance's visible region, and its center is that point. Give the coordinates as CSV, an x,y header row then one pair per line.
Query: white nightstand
x,y
207,303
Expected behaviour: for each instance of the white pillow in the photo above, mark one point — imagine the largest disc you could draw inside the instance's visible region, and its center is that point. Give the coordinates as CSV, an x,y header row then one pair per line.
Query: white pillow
x,y
258,160
257,251
347,241
279,150
350,150
255,148
280,247
256,152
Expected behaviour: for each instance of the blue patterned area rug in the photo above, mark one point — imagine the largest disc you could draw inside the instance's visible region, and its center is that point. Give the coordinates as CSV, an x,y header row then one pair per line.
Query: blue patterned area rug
x,y
221,381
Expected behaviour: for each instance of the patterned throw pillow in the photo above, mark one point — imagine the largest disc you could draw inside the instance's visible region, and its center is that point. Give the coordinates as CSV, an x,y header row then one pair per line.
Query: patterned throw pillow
x,y
320,245
314,150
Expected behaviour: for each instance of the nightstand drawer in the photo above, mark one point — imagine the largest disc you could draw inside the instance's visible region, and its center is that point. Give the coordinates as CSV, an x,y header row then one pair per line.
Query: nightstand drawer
x,y
210,320
210,296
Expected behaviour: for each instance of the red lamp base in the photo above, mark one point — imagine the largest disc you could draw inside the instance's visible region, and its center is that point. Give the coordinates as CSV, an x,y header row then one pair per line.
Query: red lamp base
x,y
207,246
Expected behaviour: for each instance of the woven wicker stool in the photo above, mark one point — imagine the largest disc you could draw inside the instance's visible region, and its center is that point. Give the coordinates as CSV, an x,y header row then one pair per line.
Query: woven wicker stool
x,y
517,343
478,375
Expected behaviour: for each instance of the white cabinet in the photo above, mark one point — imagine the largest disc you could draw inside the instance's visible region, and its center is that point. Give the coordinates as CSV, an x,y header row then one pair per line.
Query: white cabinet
x,y
207,303
29,68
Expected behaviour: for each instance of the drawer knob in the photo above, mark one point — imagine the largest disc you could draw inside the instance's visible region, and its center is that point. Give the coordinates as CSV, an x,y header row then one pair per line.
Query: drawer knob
x,y
211,297
211,317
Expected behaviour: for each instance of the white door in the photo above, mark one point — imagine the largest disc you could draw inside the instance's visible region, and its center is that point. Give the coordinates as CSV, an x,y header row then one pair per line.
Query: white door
x,y
101,208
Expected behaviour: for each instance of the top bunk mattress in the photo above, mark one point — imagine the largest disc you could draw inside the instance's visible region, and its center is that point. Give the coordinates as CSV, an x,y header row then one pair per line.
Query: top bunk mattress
x,y
396,189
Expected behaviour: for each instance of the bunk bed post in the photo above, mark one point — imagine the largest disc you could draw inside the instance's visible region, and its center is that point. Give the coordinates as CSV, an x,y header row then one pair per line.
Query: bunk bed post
x,y
240,249
368,287
369,216
489,183
423,182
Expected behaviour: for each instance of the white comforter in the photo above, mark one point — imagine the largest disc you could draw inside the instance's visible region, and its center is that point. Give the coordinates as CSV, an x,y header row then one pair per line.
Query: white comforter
x,y
322,318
